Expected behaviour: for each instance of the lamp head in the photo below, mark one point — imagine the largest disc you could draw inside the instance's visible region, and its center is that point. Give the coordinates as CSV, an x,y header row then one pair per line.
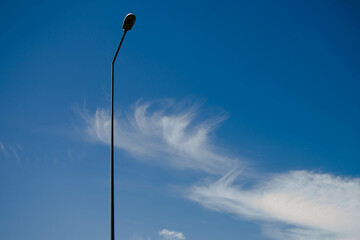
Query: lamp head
x,y
129,21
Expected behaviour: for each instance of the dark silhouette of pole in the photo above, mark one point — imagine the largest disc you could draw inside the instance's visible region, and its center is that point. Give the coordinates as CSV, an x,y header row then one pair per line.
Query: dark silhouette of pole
x,y
127,25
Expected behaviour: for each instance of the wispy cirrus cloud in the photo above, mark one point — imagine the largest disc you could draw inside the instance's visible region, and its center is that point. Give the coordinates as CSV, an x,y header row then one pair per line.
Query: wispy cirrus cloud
x,y
308,205
3,150
295,205
10,151
165,132
286,232
172,235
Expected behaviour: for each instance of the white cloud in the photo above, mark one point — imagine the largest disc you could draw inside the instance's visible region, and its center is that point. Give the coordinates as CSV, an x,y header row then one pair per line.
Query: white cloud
x,y
15,153
172,235
297,205
165,132
317,206
281,232
11,151
3,150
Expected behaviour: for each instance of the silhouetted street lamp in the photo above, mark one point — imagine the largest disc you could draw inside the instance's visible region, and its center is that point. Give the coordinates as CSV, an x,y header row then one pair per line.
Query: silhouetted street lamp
x,y
127,25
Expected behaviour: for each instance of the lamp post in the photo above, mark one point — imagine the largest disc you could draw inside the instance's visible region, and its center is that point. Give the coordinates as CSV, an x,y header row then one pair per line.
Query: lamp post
x,y
127,25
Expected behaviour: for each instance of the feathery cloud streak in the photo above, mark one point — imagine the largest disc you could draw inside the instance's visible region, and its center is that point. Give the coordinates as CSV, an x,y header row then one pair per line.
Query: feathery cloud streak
x,y
10,151
165,132
318,206
296,205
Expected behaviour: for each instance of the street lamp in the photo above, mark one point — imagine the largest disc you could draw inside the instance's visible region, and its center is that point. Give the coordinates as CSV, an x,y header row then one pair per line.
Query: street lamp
x,y
127,25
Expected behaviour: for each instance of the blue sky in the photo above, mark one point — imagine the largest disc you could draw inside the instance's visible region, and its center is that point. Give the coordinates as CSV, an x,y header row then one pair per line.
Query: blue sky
x,y
234,120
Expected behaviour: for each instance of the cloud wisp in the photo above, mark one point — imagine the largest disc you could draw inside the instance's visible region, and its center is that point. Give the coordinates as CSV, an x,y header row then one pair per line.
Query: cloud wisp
x,y
10,151
164,132
172,235
315,206
294,205
3,150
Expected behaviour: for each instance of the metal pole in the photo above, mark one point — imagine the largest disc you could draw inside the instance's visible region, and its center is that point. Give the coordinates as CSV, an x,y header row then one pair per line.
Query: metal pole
x,y
112,232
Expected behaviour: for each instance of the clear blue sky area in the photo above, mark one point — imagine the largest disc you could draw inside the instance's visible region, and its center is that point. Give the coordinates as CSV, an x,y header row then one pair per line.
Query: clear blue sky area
x,y
235,120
